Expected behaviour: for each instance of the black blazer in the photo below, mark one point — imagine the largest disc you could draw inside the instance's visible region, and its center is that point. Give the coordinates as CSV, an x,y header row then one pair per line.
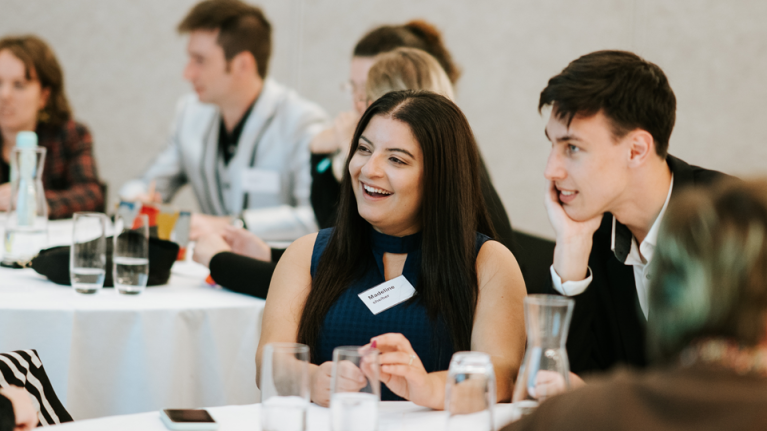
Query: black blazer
x,y
608,326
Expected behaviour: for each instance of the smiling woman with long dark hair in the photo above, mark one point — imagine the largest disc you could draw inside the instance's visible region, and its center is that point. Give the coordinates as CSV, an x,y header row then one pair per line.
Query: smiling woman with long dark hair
x,y
410,205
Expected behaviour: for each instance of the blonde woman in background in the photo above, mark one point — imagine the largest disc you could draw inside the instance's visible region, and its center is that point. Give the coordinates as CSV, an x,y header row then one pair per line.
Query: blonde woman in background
x,y
405,69
329,148
401,69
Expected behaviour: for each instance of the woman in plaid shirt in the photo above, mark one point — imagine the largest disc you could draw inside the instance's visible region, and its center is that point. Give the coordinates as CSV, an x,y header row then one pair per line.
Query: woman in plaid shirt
x,y
32,98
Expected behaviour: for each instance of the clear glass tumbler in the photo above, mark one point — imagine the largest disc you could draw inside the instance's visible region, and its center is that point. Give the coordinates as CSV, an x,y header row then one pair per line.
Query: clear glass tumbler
x,y
284,387
470,392
355,389
131,255
87,255
545,370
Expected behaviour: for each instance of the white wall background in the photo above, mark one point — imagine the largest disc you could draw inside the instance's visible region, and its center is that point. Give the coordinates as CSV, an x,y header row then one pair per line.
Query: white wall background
x,y
123,63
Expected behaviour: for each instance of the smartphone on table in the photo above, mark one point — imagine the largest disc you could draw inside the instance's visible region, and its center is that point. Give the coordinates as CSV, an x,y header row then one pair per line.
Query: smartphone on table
x,y
188,419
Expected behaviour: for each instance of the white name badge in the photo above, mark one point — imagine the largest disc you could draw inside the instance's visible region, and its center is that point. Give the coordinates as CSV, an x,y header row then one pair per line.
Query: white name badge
x,y
260,181
387,294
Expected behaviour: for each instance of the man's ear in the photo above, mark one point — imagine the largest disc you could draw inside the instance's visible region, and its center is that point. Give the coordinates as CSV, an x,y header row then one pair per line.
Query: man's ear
x,y
244,63
641,147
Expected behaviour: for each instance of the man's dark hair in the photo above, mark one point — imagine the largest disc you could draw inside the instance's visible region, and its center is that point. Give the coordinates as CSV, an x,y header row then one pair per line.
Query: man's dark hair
x,y
242,27
631,92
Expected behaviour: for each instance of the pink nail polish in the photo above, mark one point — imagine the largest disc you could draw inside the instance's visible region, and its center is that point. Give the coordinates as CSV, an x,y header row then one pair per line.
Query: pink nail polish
x,y
373,344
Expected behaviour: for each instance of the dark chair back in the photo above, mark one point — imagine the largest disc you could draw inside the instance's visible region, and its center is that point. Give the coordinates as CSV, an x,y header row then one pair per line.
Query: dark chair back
x,y
535,255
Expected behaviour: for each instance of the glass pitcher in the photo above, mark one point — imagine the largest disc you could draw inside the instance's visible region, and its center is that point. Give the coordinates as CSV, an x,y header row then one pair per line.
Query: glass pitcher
x,y
546,369
26,228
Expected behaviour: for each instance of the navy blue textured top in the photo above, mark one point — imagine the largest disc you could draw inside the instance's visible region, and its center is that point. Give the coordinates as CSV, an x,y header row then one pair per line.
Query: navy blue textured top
x,y
350,323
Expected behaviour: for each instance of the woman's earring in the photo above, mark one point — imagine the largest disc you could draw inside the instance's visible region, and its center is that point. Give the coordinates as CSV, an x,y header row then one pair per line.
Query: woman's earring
x,y
43,116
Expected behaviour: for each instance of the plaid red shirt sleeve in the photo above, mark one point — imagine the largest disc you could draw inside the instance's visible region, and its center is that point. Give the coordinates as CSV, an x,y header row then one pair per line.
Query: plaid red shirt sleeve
x,y
70,179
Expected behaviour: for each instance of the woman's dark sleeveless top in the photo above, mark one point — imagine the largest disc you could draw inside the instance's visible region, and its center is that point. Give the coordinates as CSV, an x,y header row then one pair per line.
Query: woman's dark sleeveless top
x,y
350,323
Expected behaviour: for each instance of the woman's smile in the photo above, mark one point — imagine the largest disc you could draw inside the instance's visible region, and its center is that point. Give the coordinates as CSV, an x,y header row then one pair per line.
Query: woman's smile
x,y
372,192
386,170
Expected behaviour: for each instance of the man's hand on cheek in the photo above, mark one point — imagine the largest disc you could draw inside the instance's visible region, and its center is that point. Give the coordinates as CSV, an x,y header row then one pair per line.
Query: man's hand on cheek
x,y
574,238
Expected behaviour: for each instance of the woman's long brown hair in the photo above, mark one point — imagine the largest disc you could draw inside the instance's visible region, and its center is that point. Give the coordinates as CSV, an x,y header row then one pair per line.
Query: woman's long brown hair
x,y
452,211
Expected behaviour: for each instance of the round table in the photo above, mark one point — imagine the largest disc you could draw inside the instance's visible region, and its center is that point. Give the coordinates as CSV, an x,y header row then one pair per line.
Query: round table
x,y
182,345
393,415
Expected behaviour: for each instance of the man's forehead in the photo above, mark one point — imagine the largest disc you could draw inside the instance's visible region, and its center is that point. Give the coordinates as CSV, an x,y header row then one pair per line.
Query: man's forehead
x,y
204,39
577,127
558,129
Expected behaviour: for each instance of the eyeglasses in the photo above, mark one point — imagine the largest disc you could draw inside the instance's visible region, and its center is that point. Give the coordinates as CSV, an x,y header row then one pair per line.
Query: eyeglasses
x,y
356,92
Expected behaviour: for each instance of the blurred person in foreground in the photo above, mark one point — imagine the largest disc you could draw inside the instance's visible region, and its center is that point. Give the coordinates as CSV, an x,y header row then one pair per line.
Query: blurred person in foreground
x,y
242,141
708,332
32,98
241,261
410,206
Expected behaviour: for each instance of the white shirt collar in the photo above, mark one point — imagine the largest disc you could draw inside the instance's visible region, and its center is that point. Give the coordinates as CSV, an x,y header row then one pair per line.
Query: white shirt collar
x,y
647,248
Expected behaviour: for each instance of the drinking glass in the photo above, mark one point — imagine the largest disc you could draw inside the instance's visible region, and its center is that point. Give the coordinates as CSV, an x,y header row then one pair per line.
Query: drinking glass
x,y
355,389
26,225
87,255
470,392
545,370
284,387
131,255
166,221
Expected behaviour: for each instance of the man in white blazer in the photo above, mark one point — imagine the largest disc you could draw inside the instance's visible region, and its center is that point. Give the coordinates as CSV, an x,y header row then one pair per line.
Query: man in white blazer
x,y
242,141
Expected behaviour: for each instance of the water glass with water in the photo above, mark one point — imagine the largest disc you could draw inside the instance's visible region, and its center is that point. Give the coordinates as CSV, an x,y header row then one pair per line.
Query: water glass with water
x,y
284,387
87,255
470,392
355,389
131,255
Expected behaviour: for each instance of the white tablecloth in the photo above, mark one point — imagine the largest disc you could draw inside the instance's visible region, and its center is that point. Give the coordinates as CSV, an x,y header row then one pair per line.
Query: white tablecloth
x,y
182,345
393,416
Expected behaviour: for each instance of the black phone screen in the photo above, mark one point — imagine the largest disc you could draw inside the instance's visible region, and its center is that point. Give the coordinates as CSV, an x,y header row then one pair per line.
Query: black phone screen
x,y
189,415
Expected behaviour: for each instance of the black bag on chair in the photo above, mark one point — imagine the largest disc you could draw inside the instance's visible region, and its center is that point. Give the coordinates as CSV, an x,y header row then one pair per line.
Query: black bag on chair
x,y
54,262
24,368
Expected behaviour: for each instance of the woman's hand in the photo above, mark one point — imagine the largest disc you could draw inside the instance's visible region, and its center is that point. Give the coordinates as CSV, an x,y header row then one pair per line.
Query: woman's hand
x,y
321,384
403,372
23,409
350,379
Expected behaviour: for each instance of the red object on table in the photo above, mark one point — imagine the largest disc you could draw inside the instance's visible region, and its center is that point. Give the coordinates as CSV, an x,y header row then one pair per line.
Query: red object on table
x,y
151,213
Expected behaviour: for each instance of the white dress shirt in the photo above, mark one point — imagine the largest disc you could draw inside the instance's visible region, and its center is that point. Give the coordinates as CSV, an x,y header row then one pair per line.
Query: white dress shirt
x,y
639,257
